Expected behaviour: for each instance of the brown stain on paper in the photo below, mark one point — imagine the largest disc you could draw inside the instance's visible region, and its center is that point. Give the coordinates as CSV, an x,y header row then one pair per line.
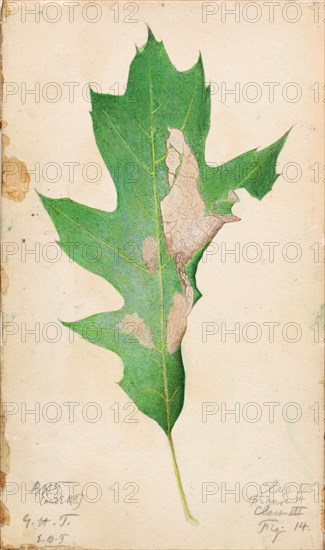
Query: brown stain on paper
x,y
15,186
4,512
4,447
6,11
4,281
4,458
34,547
15,177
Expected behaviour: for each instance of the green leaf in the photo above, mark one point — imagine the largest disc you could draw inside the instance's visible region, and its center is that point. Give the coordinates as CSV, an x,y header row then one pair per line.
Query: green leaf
x,y
254,171
170,206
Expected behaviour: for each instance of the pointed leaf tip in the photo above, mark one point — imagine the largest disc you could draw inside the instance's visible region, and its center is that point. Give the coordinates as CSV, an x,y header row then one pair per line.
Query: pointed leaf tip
x,y
151,36
41,197
93,93
150,40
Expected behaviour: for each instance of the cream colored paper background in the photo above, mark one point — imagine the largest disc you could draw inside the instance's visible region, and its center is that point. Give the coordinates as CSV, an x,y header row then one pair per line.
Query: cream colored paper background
x,y
41,292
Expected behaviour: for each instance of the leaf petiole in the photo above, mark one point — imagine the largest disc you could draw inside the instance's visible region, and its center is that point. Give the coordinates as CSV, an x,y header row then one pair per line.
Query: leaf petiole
x,y
187,513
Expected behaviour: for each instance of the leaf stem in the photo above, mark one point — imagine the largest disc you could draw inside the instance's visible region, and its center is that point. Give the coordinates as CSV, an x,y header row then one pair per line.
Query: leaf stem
x,y
187,513
186,509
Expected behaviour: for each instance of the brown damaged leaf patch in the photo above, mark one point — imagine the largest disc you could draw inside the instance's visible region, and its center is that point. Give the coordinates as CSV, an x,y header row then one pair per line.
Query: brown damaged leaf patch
x,y
149,253
187,227
135,326
176,322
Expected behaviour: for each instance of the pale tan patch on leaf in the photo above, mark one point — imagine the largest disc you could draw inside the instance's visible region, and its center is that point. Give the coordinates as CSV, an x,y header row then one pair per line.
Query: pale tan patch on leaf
x,y
149,253
135,326
15,177
233,196
187,227
176,322
4,281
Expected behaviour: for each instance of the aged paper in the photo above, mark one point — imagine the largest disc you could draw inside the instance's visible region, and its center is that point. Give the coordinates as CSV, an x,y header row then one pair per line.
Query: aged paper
x,y
82,467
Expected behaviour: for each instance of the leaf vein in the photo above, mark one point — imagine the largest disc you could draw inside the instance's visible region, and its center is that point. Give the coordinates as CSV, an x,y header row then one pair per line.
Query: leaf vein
x,y
116,250
140,161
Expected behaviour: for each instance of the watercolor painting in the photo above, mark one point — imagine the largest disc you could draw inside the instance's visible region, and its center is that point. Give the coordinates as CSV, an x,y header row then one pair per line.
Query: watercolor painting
x,y
170,205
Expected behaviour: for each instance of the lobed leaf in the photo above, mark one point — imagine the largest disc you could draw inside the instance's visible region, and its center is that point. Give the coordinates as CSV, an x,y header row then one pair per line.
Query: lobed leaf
x,y
170,206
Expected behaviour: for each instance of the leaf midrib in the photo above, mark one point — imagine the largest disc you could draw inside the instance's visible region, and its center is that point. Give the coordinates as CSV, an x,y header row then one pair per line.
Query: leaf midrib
x,y
158,239
158,222
254,169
